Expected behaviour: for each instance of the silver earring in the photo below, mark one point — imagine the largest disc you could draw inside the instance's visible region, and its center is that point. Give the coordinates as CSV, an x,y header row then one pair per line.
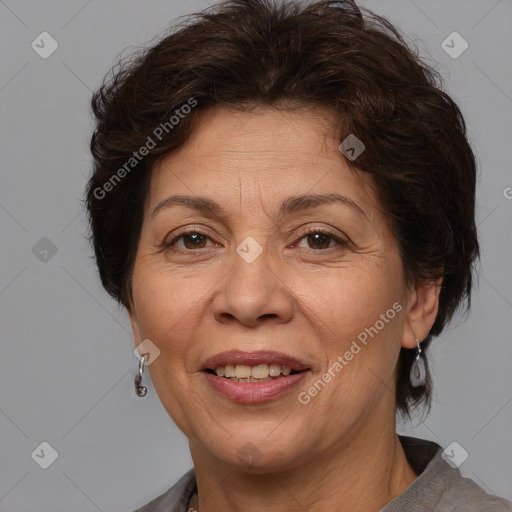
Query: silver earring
x,y
140,390
418,372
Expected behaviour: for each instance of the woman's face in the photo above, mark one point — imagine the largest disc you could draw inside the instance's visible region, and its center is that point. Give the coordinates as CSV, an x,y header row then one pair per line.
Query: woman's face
x,y
266,262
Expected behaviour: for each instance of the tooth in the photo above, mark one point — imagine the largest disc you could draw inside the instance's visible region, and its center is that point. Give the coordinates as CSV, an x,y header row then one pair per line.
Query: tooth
x,y
229,371
260,371
242,371
274,370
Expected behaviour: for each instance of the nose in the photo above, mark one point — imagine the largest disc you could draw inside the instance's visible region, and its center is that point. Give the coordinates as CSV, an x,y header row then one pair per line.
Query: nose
x,y
253,293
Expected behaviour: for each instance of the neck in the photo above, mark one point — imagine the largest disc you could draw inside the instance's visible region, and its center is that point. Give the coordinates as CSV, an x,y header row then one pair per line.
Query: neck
x,y
363,474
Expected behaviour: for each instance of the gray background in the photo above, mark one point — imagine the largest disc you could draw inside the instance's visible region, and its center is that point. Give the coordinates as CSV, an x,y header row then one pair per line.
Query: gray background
x,y
67,365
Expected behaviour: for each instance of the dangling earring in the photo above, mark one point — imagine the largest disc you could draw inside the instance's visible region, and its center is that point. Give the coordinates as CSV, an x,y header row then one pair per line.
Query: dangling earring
x,y
140,390
418,372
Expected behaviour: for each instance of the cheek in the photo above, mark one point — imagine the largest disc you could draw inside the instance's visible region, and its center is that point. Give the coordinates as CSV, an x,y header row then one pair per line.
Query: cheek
x,y
356,314
360,347
168,311
168,308
348,300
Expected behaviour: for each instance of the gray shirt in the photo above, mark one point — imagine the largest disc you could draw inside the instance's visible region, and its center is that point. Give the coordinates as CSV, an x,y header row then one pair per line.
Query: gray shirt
x,y
438,488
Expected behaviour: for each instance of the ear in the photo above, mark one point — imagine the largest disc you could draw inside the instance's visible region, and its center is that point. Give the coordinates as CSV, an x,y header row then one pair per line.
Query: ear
x,y
135,325
422,307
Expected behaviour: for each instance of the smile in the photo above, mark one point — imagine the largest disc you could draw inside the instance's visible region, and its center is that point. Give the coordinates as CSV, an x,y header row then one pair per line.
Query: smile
x,y
259,373
253,377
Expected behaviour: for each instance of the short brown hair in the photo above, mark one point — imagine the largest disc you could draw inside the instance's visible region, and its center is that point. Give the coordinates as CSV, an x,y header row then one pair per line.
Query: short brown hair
x,y
246,53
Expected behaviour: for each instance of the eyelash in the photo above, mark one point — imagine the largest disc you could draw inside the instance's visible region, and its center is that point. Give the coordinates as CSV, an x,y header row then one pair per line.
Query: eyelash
x,y
309,231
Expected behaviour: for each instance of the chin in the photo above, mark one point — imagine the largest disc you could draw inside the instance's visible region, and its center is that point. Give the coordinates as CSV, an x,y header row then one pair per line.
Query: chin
x,y
256,454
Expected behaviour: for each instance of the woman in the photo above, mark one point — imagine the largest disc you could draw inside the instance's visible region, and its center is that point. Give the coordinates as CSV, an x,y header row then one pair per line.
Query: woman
x,y
283,200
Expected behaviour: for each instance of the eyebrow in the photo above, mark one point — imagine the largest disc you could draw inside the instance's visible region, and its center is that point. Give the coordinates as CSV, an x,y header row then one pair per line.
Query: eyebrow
x,y
201,204
307,201
288,206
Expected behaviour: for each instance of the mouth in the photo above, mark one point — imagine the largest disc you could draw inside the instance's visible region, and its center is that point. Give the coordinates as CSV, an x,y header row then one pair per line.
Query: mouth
x,y
260,366
253,376
257,373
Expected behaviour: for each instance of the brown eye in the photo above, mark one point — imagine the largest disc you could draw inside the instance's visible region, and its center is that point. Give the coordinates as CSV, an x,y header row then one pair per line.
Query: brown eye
x,y
320,240
194,240
189,240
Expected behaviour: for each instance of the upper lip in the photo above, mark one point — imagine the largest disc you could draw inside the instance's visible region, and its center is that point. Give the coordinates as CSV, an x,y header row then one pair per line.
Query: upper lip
x,y
234,357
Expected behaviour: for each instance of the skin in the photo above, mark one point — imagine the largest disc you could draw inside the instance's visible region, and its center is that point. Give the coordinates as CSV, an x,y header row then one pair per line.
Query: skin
x,y
305,296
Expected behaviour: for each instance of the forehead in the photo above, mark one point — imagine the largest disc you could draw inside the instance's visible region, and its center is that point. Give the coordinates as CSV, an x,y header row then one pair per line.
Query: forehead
x,y
267,153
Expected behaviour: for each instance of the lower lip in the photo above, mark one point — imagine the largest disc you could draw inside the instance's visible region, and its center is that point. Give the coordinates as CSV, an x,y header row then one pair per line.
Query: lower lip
x,y
254,392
